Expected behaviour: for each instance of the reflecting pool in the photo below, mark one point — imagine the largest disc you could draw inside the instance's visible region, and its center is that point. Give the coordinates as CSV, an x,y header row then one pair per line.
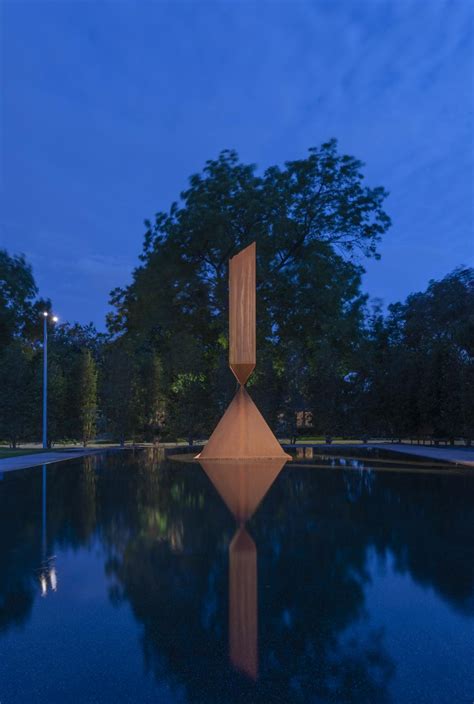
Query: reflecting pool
x,y
129,578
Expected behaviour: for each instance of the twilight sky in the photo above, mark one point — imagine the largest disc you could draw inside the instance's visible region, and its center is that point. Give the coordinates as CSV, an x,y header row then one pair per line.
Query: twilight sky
x,y
108,107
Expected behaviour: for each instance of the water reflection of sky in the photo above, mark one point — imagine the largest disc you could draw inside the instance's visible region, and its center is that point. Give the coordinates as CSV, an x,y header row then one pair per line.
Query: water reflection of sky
x,y
360,574
422,633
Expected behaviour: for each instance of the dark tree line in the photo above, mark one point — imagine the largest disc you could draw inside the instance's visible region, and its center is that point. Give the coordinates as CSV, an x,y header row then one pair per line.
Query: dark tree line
x,y
161,370
416,369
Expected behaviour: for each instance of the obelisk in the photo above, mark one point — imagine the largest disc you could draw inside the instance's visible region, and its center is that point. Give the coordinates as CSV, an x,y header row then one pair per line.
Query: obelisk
x,y
242,433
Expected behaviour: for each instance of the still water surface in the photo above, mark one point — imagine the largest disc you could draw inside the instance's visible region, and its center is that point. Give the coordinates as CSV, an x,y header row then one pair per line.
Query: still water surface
x,y
124,578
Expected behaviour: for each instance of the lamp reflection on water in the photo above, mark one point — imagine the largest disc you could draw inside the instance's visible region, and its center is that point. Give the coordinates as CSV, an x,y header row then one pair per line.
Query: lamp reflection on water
x,y
47,571
242,486
47,576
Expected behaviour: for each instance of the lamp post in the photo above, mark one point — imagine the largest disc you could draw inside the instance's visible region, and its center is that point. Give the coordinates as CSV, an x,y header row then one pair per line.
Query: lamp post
x,y
45,376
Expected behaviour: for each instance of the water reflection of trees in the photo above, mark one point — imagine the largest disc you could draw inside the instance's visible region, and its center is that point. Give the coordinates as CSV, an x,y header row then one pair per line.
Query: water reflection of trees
x,y
165,535
27,543
20,548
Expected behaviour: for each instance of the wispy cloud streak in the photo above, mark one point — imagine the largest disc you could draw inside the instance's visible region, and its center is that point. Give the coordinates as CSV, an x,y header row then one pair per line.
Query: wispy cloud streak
x,y
108,107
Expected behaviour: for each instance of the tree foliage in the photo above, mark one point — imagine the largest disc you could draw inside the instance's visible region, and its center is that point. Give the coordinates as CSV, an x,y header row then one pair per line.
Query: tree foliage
x,y
310,219
161,372
87,391
416,371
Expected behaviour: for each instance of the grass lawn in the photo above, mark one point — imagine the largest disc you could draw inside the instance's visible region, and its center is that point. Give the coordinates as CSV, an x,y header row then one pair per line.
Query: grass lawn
x,y
8,452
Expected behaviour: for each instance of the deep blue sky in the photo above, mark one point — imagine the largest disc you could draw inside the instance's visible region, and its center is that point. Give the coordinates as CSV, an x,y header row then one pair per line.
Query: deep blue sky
x,y
108,107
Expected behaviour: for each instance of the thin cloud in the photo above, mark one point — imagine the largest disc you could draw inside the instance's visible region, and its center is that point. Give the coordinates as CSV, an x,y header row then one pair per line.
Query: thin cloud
x,y
109,107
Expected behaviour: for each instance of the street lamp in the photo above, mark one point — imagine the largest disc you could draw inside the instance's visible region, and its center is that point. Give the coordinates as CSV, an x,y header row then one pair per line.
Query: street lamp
x,y
45,375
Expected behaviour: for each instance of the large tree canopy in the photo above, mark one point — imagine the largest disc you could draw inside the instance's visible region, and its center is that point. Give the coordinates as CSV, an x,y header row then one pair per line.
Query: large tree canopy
x,y
312,220
162,371
313,208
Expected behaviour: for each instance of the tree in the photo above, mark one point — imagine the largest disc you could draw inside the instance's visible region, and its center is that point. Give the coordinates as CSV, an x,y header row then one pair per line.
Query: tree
x,y
87,381
119,390
20,311
190,415
17,291
17,408
311,219
416,369
152,394
67,345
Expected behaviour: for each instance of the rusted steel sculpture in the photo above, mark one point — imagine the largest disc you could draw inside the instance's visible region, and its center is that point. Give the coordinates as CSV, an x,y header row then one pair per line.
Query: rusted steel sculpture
x,y
242,313
242,459
242,486
242,433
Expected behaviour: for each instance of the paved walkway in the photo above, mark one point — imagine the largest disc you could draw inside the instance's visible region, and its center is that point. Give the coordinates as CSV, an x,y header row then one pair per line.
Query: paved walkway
x,y
458,455
453,455
9,464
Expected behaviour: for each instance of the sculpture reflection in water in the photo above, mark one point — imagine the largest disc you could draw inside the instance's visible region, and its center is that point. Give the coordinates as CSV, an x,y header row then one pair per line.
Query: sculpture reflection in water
x,y
242,433
242,459
242,486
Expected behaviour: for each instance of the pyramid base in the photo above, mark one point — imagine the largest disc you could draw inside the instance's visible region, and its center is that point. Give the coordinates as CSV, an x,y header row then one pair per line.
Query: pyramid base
x,y
242,434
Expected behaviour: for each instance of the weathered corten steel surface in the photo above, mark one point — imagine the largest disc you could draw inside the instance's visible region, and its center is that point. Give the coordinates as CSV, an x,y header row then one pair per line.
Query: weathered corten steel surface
x,y
243,607
242,485
242,313
242,433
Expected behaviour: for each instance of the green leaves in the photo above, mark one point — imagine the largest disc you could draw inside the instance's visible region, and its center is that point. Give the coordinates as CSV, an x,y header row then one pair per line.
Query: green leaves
x,y
310,219
87,381
417,365
17,293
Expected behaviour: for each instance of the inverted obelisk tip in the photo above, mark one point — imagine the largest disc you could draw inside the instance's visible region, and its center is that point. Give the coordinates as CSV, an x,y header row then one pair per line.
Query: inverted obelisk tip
x,y
242,433
242,313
